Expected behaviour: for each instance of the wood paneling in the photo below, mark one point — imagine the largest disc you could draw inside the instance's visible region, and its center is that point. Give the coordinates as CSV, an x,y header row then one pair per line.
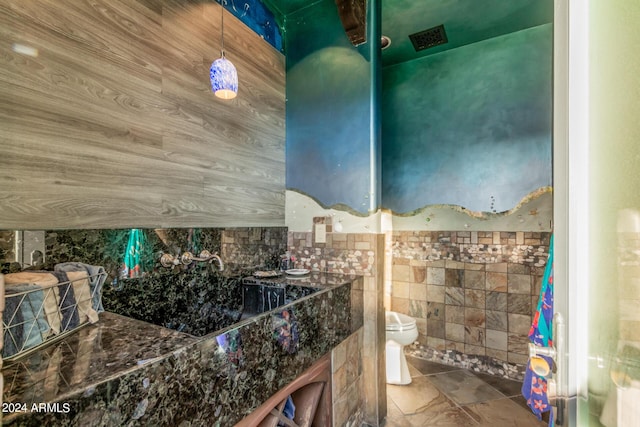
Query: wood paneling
x,y
113,123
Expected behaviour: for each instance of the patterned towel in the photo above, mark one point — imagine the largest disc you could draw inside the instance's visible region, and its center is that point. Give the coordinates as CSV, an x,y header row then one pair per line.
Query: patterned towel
x,y
51,297
68,305
13,326
96,279
24,318
534,387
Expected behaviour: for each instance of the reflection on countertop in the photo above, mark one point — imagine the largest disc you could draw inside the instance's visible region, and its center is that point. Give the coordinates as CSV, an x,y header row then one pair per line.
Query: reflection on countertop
x,y
96,353
314,279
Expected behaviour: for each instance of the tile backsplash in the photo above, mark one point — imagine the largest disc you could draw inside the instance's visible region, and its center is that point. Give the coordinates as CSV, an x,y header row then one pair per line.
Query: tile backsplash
x,y
195,298
240,248
346,253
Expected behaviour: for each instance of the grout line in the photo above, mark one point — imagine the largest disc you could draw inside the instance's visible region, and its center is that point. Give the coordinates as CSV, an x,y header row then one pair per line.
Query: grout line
x,y
466,412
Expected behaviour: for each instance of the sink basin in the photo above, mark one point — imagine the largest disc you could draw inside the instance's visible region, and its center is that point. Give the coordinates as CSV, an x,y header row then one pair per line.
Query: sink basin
x,y
260,297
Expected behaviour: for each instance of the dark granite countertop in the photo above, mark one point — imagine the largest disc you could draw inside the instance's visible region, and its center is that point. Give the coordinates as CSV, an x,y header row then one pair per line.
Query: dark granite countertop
x,y
122,371
93,354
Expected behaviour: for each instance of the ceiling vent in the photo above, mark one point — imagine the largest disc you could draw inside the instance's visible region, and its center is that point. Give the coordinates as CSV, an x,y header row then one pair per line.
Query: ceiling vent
x,y
429,38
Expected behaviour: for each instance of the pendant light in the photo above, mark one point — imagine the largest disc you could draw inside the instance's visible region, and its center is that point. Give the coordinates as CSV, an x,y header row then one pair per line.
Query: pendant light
x,y
223,75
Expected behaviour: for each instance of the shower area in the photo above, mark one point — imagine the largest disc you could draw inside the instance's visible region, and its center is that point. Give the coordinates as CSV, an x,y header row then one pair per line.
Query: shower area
x,y
473,295
469,155
466,171
441,143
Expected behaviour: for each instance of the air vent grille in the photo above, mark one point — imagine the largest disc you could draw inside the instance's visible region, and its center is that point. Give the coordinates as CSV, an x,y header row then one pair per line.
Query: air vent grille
x,y
429,38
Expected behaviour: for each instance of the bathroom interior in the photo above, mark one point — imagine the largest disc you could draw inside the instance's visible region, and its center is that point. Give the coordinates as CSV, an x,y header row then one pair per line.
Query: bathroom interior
x,y
407,179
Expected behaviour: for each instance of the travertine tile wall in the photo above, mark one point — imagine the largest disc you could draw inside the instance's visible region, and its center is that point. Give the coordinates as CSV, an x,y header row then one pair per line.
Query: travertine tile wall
x,y
342,253
253,246
471,292
361,254
347,381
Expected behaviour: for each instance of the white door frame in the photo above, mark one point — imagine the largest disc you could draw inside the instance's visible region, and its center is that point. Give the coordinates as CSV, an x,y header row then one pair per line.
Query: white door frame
x,y
571,189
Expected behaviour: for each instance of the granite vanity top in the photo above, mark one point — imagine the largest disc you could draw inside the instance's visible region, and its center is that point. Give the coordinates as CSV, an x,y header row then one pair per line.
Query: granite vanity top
x,y
93,354
122,371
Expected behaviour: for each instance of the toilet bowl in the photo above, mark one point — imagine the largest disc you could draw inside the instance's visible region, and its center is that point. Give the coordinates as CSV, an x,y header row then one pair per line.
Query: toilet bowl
x,y
401,330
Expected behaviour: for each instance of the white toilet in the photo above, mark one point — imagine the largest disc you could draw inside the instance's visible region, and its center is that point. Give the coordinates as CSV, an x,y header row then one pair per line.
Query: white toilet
x,y
401,331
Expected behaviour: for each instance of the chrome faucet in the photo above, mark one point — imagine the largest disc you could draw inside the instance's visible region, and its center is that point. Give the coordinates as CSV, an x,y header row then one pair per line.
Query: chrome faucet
x,y
168,260
220,263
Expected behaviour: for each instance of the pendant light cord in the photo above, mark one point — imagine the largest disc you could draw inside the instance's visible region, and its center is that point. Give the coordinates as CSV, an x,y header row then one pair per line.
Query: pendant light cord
x,y
222,2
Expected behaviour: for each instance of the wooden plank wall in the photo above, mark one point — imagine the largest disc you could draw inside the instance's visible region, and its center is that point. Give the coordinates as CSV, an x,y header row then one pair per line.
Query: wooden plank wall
x,y
113,123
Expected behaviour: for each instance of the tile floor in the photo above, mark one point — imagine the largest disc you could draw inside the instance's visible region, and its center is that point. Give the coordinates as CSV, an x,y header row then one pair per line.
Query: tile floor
x,y
442,395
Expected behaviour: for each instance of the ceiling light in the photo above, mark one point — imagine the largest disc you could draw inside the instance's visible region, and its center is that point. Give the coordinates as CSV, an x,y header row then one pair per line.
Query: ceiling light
x,y
223,74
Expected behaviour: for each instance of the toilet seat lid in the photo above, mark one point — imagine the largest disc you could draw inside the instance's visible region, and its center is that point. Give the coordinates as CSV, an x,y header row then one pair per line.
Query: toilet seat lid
x,y
398,321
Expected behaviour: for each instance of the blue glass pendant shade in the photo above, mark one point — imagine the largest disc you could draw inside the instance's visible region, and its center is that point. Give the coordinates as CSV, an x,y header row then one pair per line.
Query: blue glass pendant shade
x,y
224,78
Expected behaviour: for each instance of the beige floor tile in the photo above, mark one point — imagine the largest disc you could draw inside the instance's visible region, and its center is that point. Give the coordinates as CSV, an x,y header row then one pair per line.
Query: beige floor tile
x,y
444,396
441,412
413,371
464,388
397,422
507,387
502,412
415,397
454,417
392,409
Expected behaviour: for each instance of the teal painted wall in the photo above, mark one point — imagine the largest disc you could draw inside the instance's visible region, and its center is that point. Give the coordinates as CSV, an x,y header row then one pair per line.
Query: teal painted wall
x,y
328,118
469,127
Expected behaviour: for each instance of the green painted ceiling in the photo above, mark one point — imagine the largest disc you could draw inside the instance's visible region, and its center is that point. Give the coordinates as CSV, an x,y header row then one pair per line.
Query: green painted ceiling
x,y
465,21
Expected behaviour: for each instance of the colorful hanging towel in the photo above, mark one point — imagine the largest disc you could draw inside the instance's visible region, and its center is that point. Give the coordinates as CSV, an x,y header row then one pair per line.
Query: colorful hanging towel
x,y
534,387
